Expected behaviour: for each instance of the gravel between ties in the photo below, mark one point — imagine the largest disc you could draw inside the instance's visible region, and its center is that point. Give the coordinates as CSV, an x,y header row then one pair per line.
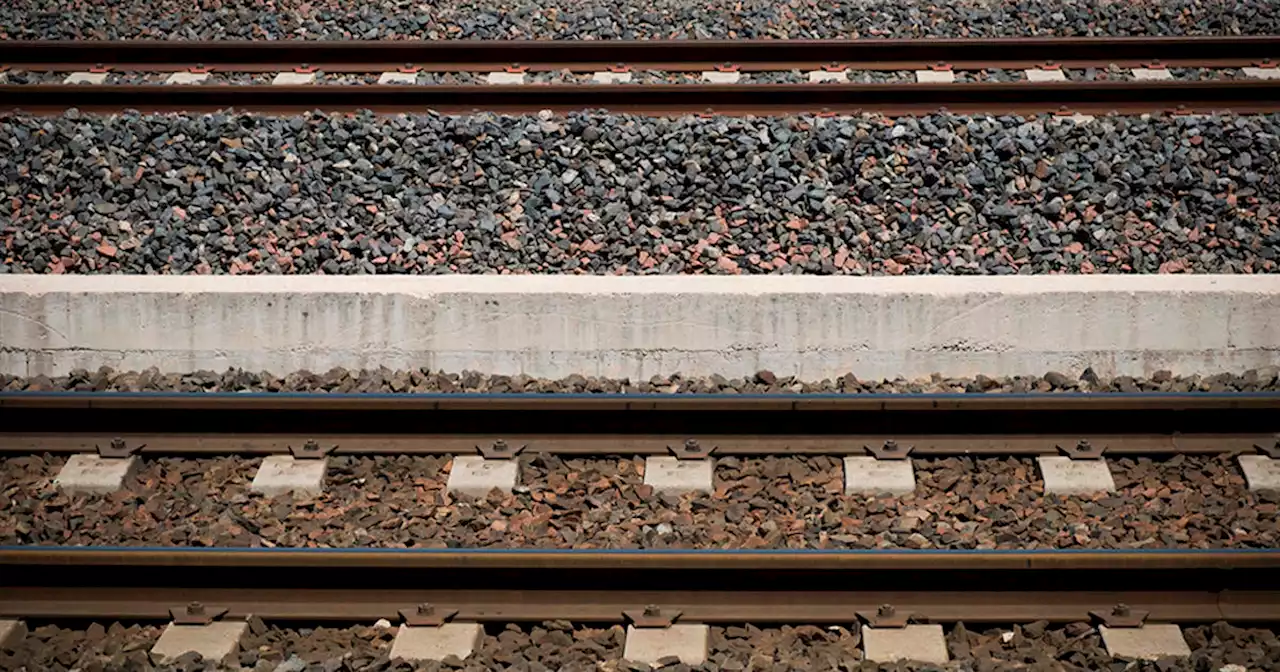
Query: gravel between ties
x,y
617,194
771,502
568,647
660,19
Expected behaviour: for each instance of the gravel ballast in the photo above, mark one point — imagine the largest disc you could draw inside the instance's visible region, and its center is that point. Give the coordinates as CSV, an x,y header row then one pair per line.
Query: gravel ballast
x,y
427,381
618,194
665,19
568,647
772,502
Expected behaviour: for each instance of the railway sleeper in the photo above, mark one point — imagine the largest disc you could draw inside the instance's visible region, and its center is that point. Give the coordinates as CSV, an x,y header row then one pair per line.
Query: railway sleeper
x,y
250,643
477,476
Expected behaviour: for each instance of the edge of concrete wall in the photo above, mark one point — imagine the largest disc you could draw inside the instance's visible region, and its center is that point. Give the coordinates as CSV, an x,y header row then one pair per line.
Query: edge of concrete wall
x,y
810,326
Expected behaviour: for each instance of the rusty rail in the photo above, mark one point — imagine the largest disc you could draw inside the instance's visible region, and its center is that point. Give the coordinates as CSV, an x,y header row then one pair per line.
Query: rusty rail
x,y
1076,97
302,559
641,424
622,444
758,587
585,56
1026,98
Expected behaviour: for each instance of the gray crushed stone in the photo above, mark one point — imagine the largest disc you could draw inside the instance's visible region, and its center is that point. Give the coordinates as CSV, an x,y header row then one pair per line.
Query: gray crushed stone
x,y
653,19
605,194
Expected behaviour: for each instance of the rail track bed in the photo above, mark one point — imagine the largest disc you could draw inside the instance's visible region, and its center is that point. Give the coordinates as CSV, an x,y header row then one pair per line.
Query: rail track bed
x,y
559,607
776,557
778,470
831,61
604,503
560,645
712,587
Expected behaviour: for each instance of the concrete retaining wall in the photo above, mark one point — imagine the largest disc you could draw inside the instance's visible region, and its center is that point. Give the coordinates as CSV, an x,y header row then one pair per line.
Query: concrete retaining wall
x,y
813,327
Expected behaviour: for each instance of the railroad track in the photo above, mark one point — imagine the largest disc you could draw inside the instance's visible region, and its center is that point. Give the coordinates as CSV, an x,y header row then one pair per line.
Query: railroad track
x,y
930,424
40,583
1067,97
1151,594
599,586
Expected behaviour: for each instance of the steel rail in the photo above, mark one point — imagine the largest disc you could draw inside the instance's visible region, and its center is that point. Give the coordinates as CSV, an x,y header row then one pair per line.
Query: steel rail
x,y
640,424
1072,97
748,55
758,587
622,444
52,557
734,606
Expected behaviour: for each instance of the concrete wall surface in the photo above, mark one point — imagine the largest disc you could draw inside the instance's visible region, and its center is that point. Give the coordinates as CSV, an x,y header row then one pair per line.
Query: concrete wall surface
x,y
809,326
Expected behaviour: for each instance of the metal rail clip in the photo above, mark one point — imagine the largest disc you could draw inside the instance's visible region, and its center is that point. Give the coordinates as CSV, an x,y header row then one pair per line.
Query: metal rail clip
x,y
196,614
651,616
310,450
1083,450
499,450
426,615
887,616
692,450
1121,616
118,449
889,451
1272,451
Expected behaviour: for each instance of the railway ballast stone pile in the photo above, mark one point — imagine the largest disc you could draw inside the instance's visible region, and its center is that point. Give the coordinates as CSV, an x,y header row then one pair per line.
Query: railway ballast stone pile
x,y
618,194
774,502
568,647
650,19
383,380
